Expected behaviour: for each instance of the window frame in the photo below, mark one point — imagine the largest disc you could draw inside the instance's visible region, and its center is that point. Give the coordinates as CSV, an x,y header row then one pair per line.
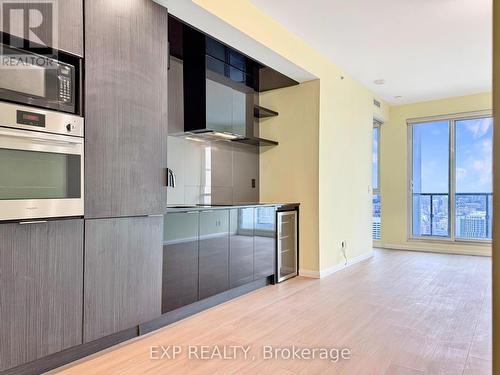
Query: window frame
x,y
451,119
377,124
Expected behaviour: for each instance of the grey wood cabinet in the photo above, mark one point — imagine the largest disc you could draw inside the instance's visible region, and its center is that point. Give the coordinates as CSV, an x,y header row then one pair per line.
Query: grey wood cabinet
x,y
241,246
126,59
265,242
41,284
180,260
123,274
213,252
67,35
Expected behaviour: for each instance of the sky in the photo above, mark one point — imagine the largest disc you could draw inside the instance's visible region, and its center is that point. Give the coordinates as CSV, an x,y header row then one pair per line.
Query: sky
x,y
473,154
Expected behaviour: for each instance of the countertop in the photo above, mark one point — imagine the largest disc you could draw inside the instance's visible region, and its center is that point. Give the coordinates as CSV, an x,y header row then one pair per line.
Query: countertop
x,y
185,208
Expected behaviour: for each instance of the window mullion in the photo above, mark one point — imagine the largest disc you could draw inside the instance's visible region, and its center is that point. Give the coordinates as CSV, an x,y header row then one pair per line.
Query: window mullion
x,y
452,183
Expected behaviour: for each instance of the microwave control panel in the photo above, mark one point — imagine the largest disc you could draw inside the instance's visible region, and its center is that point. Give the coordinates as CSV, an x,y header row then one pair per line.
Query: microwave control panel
x,y
65,89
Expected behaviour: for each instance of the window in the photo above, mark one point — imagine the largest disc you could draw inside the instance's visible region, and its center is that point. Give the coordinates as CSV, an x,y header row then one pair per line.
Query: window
x,y
451,178
376,223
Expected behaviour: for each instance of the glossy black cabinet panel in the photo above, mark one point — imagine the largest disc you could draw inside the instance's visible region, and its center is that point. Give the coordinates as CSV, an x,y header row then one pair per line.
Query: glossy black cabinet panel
x,y
180,260
126,122
265,242
214,252
241,244
123,274
41,284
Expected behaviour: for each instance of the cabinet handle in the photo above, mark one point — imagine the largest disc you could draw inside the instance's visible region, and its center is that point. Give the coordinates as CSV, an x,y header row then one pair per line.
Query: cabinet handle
x,y
168,55
32,222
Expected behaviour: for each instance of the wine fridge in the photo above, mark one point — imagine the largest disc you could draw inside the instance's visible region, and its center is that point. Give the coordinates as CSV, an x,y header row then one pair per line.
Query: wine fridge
x,y
287,261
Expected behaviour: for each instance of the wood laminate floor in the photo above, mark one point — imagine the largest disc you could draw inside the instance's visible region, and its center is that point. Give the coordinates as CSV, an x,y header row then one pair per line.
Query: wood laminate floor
x,y
399,313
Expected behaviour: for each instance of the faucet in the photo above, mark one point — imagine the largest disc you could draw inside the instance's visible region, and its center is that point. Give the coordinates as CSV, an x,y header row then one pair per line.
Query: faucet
x,y
170,178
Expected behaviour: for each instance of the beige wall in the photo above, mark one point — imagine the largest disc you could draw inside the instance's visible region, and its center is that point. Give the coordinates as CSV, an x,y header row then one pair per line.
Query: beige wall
x,y
394,171
344,148
290,171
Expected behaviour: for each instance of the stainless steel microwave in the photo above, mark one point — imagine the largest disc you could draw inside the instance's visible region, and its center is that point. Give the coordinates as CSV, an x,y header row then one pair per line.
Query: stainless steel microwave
x,y
41,163
36,80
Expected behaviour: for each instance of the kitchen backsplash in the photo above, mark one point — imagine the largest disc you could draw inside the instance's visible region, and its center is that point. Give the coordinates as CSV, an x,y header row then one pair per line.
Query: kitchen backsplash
x,y
215,172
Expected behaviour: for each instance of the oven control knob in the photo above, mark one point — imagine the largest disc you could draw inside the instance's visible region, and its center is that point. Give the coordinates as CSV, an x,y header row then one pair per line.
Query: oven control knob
x,y
69,127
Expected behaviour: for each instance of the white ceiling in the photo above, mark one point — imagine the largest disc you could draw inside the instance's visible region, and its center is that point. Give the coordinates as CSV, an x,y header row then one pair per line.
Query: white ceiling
x,y
423,49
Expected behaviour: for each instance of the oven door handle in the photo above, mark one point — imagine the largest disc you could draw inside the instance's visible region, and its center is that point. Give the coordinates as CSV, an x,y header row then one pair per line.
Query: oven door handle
x,y
42,138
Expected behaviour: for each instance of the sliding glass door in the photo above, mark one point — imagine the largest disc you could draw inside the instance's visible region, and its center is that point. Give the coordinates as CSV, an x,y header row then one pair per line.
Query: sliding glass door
x,y
450,178
473,178
431,190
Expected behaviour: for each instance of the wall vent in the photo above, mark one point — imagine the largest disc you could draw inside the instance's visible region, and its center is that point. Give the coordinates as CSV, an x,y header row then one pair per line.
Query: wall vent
x,y
376,103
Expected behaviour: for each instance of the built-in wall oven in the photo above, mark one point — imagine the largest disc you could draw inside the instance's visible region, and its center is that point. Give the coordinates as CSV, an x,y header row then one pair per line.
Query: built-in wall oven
x,y
41,163
41,81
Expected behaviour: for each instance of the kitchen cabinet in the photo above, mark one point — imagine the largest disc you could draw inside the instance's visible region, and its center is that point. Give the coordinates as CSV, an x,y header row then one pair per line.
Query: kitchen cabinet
x,y
213,252
241,246
123,274
265,242
68,14
180,260
41,284
126,123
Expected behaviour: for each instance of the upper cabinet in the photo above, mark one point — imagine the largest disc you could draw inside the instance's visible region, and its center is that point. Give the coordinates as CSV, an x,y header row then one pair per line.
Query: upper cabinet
x,y
126,58
66,35
70,21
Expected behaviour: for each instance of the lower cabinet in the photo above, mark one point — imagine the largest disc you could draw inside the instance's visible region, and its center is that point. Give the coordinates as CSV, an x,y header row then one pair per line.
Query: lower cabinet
x,y
180,260
209,252
264,242
123,274
41,283
241,246
213,252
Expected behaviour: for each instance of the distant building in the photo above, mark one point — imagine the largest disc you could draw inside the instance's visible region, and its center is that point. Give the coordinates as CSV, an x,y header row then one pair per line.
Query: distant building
x,y
376,228
473,226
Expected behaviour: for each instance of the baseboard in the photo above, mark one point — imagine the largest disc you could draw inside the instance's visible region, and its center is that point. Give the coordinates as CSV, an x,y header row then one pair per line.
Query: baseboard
x,y
338,267
485,252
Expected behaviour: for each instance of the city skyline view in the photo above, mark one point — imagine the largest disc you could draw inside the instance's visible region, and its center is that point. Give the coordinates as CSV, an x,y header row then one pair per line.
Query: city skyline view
x,y
472,183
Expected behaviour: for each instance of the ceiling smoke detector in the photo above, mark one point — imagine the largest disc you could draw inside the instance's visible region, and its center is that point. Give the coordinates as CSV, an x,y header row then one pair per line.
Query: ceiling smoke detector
x,y
379,81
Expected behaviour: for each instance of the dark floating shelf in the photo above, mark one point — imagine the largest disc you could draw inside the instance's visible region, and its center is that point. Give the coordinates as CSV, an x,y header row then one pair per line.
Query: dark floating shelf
x,y
261,112
254,141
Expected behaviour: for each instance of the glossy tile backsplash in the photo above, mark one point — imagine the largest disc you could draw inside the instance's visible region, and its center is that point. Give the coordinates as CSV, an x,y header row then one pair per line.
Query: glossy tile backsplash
x,y
212,172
